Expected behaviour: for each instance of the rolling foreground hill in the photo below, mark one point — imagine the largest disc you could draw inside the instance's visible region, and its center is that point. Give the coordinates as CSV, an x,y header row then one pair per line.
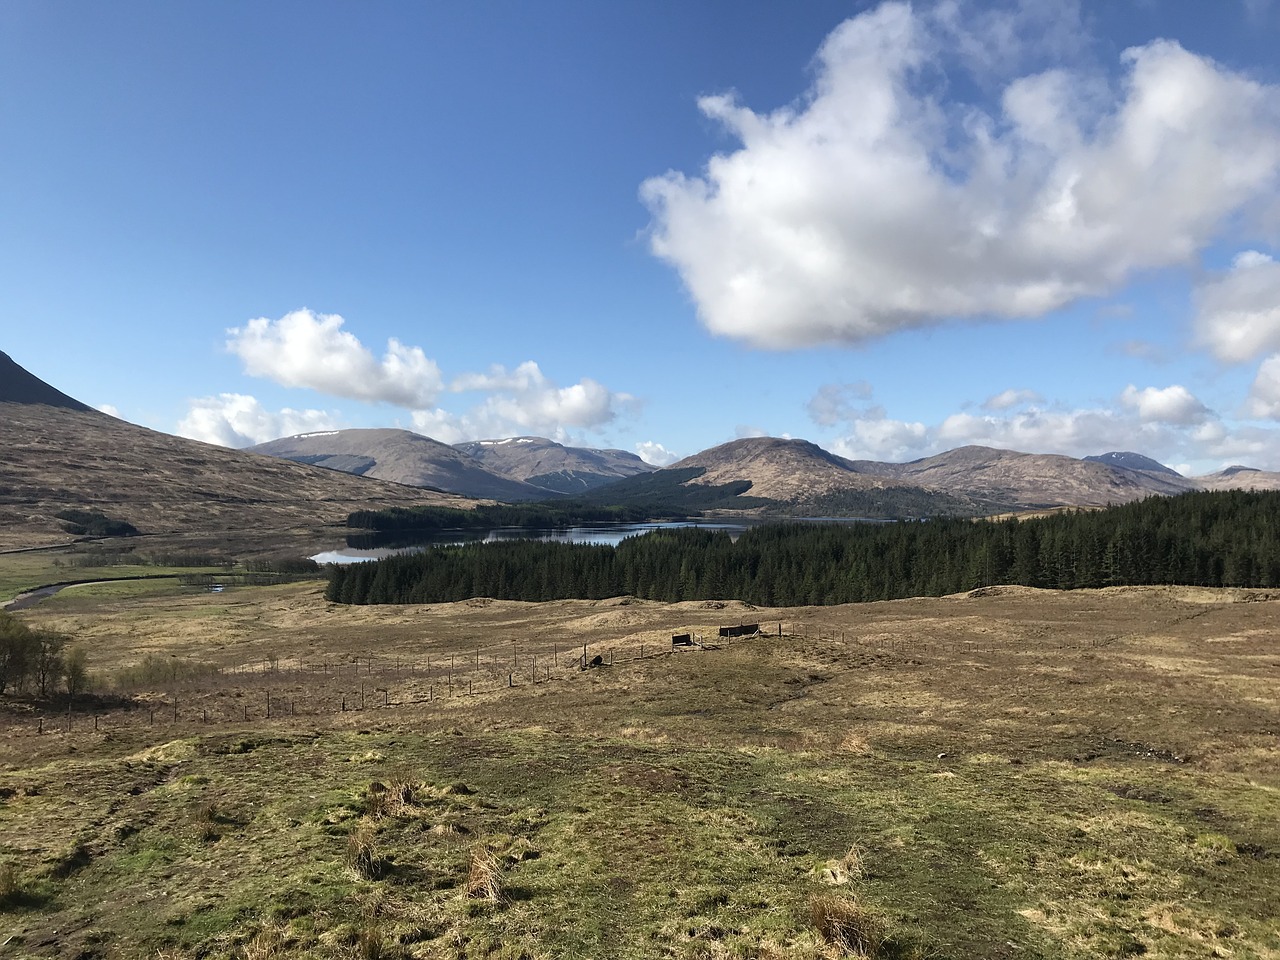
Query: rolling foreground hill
x,y
1007,774
402,456
553,466
59,455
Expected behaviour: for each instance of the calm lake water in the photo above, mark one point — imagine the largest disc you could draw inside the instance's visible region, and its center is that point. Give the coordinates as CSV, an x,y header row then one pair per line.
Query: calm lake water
x,y
610,534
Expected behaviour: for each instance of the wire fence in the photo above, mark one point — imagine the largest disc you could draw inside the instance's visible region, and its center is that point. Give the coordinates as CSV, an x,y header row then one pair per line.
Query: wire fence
x,y
283,689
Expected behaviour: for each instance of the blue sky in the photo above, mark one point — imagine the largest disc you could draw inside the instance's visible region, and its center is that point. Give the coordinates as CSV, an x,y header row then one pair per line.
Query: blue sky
x,y
891,229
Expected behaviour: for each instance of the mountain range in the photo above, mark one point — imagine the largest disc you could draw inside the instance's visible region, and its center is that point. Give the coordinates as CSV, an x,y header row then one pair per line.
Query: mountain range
x,y
60,454
799,477
514,469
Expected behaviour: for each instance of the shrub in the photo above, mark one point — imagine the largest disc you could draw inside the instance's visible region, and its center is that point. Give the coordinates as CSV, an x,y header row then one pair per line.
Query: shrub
x,y
94,523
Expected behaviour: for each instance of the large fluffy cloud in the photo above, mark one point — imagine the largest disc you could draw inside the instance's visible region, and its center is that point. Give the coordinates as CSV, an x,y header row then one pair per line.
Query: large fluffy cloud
x,y
306,349
874,204
1238,313
237,420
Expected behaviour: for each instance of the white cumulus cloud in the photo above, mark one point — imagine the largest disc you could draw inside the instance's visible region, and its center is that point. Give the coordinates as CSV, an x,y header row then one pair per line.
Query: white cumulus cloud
x,y
1076,433
655,453
524,401
1264,395
1238,313
1169,424
874,204
237,420
1173,404
875,436
307,349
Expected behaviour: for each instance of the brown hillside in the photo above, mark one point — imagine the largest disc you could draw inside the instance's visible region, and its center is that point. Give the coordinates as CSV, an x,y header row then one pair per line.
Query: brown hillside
x,y
401,456
786,470
1029,480
183,492
1240,478
552,465
19,386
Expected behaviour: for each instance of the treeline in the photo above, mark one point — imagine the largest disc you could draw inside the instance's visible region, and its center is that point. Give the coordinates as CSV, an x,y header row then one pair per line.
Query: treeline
x,y
531,516
38,662
94,523
1211,539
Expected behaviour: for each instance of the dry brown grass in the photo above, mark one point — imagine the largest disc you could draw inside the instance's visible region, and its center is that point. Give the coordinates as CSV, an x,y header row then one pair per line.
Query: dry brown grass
x,y
269,943
10,883
1056,751
848,925
484,875
361,852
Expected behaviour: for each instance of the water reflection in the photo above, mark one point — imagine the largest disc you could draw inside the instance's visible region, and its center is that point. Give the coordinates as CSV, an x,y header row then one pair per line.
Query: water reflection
x,y
373,546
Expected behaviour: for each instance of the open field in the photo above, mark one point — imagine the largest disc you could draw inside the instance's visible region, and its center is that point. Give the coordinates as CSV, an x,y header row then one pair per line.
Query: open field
x,y
1014,773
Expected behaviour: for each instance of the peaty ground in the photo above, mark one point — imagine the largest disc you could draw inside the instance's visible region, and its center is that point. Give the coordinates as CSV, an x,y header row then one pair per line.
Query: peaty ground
x,y
1009,773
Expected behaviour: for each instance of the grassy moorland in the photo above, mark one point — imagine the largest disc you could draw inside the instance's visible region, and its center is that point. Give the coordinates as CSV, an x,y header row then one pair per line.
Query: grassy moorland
x,y
1011,773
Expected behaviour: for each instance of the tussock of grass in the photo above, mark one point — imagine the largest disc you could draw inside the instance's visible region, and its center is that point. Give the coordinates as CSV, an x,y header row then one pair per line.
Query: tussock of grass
x,y
844,870
484,875
372,943
204,822
850,926
269,943
361,855
1217,845
12,889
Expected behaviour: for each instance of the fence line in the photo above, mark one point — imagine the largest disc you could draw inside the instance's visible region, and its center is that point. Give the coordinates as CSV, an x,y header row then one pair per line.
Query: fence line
x,y
452,678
